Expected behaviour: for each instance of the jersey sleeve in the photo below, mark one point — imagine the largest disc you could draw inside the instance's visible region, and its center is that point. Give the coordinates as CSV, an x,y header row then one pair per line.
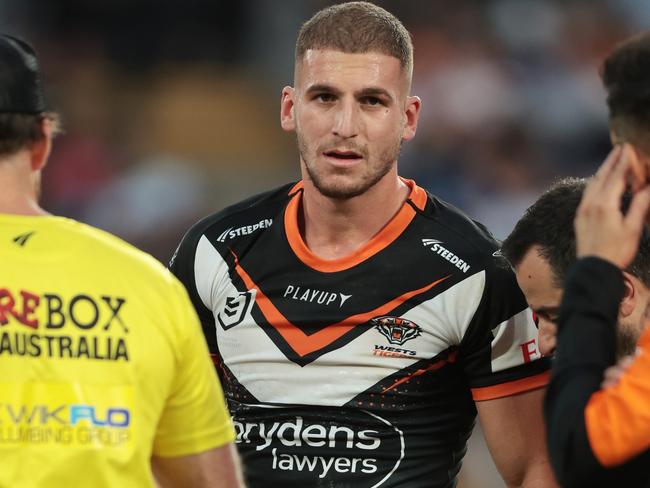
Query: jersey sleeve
x,y
499,350
182,265
591,431
195,417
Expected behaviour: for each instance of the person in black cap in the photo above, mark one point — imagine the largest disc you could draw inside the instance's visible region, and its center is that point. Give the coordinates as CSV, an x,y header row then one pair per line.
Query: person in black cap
x,y
21,86
105,377
24,116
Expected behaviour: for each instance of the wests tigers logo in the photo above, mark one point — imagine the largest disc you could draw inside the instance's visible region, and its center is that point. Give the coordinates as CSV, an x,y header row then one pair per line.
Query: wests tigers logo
x,y
396,329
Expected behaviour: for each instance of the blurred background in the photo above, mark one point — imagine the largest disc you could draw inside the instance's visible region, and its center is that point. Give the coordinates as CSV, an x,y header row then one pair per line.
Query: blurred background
x,y
171,108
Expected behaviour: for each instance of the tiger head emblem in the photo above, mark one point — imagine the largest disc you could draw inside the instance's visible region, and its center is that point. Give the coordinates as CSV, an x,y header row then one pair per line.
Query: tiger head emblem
x,y
396,329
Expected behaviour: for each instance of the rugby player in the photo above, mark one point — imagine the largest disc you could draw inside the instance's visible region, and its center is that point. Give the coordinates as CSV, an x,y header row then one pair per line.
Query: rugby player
x,y
600,436
541,248
357,322
103,368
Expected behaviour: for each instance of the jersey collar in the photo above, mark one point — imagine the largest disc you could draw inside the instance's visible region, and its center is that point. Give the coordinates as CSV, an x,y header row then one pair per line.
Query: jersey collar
x,y
392,230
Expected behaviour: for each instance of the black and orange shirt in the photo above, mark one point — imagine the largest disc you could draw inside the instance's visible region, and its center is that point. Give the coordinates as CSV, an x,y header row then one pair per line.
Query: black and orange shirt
x,y
360,371
597,437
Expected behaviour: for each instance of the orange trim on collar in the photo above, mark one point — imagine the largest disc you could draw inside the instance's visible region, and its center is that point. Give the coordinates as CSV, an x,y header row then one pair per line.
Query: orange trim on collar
x,y
295,188
391,231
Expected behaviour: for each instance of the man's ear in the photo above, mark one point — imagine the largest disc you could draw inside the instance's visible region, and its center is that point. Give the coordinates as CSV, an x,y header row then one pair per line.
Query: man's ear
x,y
287,105
630,295
413,105
40,150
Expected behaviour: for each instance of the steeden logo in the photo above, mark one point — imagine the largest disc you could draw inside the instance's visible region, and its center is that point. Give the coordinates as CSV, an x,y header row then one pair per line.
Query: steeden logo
x,y
436,246
244,230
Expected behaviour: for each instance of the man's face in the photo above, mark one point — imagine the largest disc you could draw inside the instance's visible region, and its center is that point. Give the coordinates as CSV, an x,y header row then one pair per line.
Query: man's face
x,y
535,279
351,113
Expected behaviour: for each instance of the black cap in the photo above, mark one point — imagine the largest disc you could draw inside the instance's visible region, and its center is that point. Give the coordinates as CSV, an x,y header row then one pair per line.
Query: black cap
x,y
21,89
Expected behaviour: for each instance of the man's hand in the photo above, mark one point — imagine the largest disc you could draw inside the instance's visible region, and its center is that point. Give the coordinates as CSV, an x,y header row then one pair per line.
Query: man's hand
x,y
601,228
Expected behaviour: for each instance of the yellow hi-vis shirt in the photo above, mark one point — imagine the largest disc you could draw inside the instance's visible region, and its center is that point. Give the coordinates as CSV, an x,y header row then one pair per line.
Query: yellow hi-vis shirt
x,y
102,361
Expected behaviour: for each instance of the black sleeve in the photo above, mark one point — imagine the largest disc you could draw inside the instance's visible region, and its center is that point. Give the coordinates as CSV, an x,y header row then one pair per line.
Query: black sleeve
x,y
586,347
492,350
182,266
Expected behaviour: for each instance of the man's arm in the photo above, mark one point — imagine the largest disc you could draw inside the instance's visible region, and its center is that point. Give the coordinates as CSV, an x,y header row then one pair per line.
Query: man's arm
x,y
514,431
193,444
507,375
217,467
587,431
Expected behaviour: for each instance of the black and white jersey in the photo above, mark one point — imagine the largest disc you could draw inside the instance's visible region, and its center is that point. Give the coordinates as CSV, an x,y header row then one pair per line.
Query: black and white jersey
x,y
361,371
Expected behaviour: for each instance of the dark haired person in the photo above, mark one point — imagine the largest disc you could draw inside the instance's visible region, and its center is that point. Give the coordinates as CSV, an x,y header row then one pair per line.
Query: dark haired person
x,y
541,248
104,375
600,436
357,322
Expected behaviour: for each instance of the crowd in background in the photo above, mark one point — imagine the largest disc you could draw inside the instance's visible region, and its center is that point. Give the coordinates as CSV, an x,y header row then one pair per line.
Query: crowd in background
x,y
171,108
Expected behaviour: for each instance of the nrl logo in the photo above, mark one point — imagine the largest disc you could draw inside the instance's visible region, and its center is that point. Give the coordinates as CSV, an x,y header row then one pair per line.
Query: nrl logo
x,y
397,330
236,308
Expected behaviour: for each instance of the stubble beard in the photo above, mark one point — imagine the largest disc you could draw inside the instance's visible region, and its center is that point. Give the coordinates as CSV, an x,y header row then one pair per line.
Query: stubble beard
x,y
628,333
341,190
627,336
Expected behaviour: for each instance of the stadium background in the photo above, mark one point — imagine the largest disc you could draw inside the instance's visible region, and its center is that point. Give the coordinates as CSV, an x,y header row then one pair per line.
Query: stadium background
x,y
171,108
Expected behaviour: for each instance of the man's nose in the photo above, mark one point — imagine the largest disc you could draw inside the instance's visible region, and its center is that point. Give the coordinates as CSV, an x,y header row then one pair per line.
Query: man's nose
x,y
346,122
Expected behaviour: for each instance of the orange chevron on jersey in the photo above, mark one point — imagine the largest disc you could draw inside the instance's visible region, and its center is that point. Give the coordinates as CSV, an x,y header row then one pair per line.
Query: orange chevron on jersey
x,y
304,344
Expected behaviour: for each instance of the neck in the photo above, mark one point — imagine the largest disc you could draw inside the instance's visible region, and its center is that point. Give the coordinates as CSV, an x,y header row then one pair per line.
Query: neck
x,y
334,228
19,186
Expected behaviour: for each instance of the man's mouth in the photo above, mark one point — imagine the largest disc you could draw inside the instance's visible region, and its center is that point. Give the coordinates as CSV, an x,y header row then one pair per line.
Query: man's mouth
x,y
343,155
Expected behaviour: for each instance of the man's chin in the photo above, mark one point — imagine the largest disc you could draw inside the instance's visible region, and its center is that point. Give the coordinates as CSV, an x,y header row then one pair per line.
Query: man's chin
x,y
340,190
338,193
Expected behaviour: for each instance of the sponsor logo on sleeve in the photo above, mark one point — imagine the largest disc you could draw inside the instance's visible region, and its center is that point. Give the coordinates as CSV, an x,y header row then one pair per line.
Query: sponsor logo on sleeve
x,y
244,230
437,247
530,351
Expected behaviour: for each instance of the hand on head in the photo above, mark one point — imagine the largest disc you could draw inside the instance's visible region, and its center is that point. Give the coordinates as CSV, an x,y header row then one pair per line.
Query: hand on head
x,y
601,228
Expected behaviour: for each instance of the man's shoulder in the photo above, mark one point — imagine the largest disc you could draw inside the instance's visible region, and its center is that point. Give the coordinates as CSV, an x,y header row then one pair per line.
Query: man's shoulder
x,y
95,252
455,226
240,219
102,246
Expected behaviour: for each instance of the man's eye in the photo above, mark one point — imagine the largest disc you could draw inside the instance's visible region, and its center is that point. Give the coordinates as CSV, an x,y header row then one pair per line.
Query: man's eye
x,y
372,101
324,97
